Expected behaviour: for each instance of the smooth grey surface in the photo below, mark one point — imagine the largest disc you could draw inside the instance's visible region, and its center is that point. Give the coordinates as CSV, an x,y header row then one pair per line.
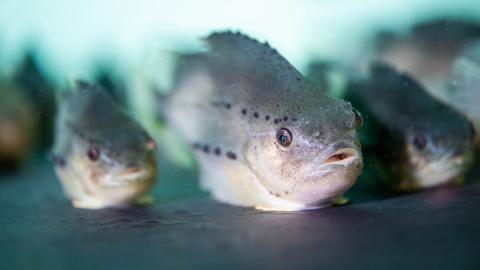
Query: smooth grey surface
x,y
437,229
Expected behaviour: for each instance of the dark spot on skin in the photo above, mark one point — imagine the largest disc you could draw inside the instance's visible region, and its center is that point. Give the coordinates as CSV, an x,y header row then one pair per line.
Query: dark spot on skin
x,y
275,121
278,105
228,105
196,146
217,151
294,119
298,79
267,117
285,118
277,195
255,114
231,155
206,148
244,111
286,192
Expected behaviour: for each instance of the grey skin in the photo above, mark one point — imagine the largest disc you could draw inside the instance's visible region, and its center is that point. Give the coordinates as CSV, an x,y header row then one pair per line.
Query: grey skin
x,y
102,157
427,51
230,104
420,141
463,90
17,127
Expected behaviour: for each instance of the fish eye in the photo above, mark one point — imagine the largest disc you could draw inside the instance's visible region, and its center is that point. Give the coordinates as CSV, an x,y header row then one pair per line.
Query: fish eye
x,y
284,137
419,141
358,118
93,153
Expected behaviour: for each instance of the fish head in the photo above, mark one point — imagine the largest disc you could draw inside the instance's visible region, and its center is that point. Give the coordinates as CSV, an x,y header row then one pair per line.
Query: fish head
x,y
115,163
439,153
311,158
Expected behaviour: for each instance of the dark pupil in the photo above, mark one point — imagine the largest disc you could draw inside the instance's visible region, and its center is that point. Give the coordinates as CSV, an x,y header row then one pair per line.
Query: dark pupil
x,y
420,142
284,137
93,153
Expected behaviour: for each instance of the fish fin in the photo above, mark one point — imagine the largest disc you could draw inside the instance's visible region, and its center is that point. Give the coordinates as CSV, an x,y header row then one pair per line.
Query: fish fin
x,y
251,56
144,201
161,99
235,43
340,200
458,182
89,203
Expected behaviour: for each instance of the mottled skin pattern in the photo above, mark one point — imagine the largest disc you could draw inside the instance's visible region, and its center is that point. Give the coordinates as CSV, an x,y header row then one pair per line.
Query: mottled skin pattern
x,y
229,104
463,90
422,142
102,157
16,126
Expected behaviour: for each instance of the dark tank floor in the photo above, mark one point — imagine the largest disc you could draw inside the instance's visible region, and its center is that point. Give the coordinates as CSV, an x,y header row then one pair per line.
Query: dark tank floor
x,y
437,229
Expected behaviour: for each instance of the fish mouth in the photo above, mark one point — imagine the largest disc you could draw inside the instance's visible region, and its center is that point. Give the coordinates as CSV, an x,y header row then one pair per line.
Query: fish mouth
x,y
129,177
343,157
443,170
340,155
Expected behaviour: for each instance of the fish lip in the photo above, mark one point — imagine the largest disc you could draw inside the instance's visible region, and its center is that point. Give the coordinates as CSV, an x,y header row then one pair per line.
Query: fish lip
x,y
128,177
340,154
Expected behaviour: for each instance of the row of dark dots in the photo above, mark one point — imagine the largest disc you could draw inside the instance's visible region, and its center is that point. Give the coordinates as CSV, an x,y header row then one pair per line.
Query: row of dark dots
x,y
267,117
216,150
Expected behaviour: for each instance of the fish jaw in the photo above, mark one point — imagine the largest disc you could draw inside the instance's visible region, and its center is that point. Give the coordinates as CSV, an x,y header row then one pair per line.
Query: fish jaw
x,y
441,172
93,190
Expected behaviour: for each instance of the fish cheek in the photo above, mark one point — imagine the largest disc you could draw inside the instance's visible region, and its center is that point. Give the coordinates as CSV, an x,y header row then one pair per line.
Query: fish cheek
x,y
269,163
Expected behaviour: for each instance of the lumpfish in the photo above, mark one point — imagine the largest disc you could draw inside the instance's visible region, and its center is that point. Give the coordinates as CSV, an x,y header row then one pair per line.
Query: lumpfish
x,y
263,135
16,126
102,157
427,51
463,91
420,141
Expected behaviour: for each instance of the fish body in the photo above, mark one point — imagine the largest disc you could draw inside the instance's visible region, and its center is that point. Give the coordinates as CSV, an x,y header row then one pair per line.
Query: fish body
x,y
463,89
427,51
102,157
17,125
422,142
263,135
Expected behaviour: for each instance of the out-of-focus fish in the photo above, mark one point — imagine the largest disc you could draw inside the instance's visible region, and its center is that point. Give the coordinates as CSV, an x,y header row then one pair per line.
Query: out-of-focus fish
x,y
427,51
263,135
423,142
16,126
40,93
102,157
463,91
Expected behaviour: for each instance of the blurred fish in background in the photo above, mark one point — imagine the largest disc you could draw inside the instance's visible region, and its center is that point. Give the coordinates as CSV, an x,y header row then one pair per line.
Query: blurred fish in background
x,y
30,78
16,126
112,83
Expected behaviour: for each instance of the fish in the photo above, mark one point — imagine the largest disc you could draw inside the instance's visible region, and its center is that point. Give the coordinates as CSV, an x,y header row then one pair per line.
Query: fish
x,y
427,51
263,135
417,141
463,87
40,92
102,157
17,127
